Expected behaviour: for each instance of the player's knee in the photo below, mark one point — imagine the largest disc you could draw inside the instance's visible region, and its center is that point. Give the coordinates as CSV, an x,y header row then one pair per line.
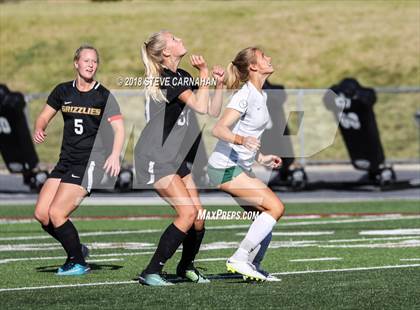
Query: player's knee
x,y
189,214
199,224
56,216
277,210
42,217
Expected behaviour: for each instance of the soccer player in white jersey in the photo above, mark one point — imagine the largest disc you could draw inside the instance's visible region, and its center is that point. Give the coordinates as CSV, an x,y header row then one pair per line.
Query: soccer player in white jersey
x,y
230,165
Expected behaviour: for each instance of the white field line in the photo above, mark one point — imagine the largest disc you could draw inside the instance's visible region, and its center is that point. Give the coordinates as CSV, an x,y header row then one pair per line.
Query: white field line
x,y
146,218
88,234
292,260
215,259
320,259
229,245
347,269
298,233
65,285
391,232
94,246
227,227
361,220
24,259
370,239
401,244
105,260
135,282
410,259
208,246
365,218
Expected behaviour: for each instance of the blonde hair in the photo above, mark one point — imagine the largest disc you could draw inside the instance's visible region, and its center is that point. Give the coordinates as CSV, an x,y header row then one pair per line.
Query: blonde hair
x,y
85,47
151,55
238,69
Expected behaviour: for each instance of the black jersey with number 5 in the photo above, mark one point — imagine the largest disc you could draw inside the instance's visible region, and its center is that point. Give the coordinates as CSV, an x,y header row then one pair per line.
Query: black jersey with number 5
x,y
82,114
166,122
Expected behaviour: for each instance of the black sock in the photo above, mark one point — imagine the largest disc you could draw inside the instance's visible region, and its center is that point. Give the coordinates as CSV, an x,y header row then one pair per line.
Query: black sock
x,y
190,247
50,230
69,238
169,242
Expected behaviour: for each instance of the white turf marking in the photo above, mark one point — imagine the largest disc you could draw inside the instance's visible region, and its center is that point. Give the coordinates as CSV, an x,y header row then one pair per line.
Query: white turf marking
x,y
24,259
364,218
320,259
297,233
216,259
65,285
370,239
345,269
405,242
410,259
401,244
104,260
127,232
10,260
88,234
93,246
135,282
410,241
361,220
391,232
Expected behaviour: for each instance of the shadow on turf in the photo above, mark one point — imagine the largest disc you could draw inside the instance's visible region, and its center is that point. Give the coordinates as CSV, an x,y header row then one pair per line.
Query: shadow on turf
x,y
173,278
93,267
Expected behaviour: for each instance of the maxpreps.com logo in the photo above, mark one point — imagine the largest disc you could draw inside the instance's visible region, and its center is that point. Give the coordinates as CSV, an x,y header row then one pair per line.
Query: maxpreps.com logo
x,y
80,110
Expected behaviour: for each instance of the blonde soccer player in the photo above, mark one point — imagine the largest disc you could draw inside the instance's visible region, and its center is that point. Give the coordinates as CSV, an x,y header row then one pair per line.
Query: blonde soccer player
x,y
230,165
83,103
161,151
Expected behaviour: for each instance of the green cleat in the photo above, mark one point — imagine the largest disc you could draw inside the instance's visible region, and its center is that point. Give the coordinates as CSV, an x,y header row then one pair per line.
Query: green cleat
x,y
153,279
192,274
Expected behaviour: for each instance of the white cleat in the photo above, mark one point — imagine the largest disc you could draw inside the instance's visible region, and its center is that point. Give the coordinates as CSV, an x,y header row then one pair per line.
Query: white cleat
x,y
246,269
271,278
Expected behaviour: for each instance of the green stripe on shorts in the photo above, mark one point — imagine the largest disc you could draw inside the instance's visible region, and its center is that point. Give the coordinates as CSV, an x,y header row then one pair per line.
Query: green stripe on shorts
x,y
220,176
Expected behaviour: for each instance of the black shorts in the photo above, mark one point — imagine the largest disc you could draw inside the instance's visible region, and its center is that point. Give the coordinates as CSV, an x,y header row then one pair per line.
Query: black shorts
x,y
148,171
88,175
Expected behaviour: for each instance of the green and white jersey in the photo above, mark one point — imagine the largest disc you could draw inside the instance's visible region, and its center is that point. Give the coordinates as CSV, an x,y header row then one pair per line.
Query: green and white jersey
x,y
254,119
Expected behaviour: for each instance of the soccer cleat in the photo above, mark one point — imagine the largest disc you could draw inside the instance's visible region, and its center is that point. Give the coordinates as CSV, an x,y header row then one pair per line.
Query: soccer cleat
x,y
269,277
73,269
246,269
192,274
85,251
153,279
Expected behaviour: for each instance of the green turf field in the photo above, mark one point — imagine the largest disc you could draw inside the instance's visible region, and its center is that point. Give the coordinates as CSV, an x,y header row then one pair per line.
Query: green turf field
x,y
329,256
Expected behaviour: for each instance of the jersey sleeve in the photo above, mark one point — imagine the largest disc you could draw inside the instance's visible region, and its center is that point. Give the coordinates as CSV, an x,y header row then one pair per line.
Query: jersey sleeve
x,y
55,99
112,109
239,102
178,84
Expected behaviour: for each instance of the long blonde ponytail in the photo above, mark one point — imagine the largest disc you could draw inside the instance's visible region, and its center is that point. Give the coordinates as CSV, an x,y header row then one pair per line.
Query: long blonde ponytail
x,y
151,55
238,69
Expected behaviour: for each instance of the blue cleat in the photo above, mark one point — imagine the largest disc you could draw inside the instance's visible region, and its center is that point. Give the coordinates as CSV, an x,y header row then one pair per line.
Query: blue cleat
x,y
73,269
153,279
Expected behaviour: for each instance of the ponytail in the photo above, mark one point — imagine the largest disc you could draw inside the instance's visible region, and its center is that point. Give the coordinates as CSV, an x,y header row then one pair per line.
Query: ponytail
x,y
232,77
151,55
238,69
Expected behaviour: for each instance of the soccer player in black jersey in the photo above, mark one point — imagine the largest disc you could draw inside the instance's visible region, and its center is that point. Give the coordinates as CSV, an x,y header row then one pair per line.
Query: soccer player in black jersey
x,y
83,102
162,148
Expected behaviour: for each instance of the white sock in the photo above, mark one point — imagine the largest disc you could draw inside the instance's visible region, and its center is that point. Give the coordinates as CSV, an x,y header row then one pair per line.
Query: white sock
x,y
254,253
259,229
